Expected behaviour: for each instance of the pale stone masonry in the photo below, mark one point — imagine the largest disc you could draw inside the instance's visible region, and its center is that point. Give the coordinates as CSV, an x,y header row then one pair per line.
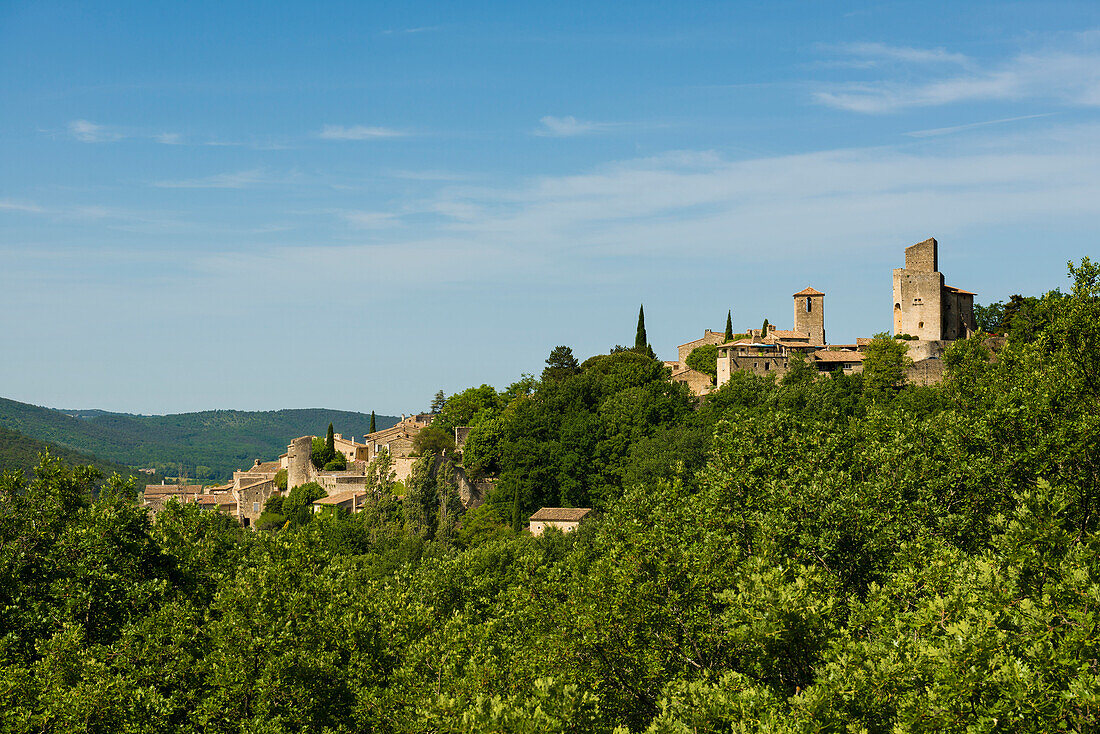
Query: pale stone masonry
x,y
809,314
565,519
924,306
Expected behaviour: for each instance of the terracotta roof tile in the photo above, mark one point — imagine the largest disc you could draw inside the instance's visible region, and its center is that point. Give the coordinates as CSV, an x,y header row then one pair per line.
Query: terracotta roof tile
x,y
808,291
561,514
826,355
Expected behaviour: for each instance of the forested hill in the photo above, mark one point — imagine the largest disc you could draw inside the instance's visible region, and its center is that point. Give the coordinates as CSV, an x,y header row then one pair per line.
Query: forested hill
x,y
207,445
20,453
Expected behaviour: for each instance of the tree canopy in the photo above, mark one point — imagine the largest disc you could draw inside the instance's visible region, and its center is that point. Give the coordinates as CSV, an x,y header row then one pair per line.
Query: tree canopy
x,y
835,553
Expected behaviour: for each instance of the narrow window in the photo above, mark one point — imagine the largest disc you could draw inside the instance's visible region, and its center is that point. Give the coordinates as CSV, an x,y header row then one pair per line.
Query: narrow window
x,y
809,306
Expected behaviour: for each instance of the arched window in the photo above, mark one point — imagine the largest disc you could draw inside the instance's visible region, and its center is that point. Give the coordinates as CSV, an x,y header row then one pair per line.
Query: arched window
x,y
809,304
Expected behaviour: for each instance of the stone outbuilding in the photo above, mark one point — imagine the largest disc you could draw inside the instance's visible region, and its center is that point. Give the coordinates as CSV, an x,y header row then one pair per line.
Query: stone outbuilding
x,y
565,519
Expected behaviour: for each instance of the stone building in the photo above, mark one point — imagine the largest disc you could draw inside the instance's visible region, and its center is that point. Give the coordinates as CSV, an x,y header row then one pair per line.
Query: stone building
x,y
684,350
565,519
698,382
924,307
809,315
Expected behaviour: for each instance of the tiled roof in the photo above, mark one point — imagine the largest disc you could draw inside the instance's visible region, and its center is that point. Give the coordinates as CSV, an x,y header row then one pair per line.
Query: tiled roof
x,y
826,355
335,499
960,291
561,514
267,467
166,489
784,334
684,373
808,291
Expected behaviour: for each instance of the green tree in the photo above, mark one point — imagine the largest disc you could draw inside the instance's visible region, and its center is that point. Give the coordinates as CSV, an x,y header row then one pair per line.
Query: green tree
x,y
381,476
704,359
764,329
799,372
989,317
561,364
729,326
434,439
330,444
372,428
438,402
297,506
468,408
641,342
884,364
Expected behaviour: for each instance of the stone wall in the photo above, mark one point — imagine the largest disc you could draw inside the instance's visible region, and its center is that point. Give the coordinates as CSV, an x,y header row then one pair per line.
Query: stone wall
x,y
918,305
809,317
250,501
925,372
923,256
299,468
709,337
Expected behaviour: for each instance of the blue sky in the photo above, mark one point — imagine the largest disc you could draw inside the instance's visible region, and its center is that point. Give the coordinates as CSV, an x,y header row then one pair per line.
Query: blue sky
x,y
353,205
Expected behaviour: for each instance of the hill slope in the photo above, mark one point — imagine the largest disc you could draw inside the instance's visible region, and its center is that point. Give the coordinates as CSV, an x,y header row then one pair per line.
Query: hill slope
x,y
207,445
20,453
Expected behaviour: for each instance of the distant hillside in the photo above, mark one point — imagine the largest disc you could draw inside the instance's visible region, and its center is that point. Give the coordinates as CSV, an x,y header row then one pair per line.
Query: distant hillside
x,y
207,445
20,453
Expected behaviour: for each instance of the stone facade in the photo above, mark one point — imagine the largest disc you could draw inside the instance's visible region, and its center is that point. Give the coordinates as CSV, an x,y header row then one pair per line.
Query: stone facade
x,y
565,519
924,306
299,468
809,315
698,382
709,337
251,498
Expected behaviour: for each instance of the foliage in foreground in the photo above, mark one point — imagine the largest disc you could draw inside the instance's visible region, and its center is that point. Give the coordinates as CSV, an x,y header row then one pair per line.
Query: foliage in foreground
x,y
921,559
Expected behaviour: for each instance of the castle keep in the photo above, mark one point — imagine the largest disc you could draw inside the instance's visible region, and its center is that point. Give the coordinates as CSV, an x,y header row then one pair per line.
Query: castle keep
x,y
923,306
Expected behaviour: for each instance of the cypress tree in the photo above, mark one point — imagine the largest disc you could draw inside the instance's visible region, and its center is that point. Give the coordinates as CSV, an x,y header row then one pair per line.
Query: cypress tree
x,y
371,422
641,343
729,326
330,445
764,329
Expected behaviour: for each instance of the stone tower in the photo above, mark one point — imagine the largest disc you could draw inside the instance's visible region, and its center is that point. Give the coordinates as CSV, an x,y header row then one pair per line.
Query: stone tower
x,y
924,306
918,293
809,314
297,457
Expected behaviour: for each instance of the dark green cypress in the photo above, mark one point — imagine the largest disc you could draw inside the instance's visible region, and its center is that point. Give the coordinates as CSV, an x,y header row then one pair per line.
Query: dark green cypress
x,y
640,341
371,422
330,445
729,326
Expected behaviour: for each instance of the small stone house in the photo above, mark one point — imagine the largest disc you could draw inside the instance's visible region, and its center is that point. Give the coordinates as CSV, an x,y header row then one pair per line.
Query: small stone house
x,y
352,501
698,382
565,519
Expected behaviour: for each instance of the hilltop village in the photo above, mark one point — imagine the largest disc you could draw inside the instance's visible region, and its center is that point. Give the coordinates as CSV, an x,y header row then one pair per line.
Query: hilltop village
x,y
927,314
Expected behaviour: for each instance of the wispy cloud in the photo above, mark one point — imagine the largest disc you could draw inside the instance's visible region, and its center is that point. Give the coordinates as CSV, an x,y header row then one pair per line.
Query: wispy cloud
x,y
370,220
569,126
232,180
358,132
90,132
933,132
1069,76
26,207
418,29
876,53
